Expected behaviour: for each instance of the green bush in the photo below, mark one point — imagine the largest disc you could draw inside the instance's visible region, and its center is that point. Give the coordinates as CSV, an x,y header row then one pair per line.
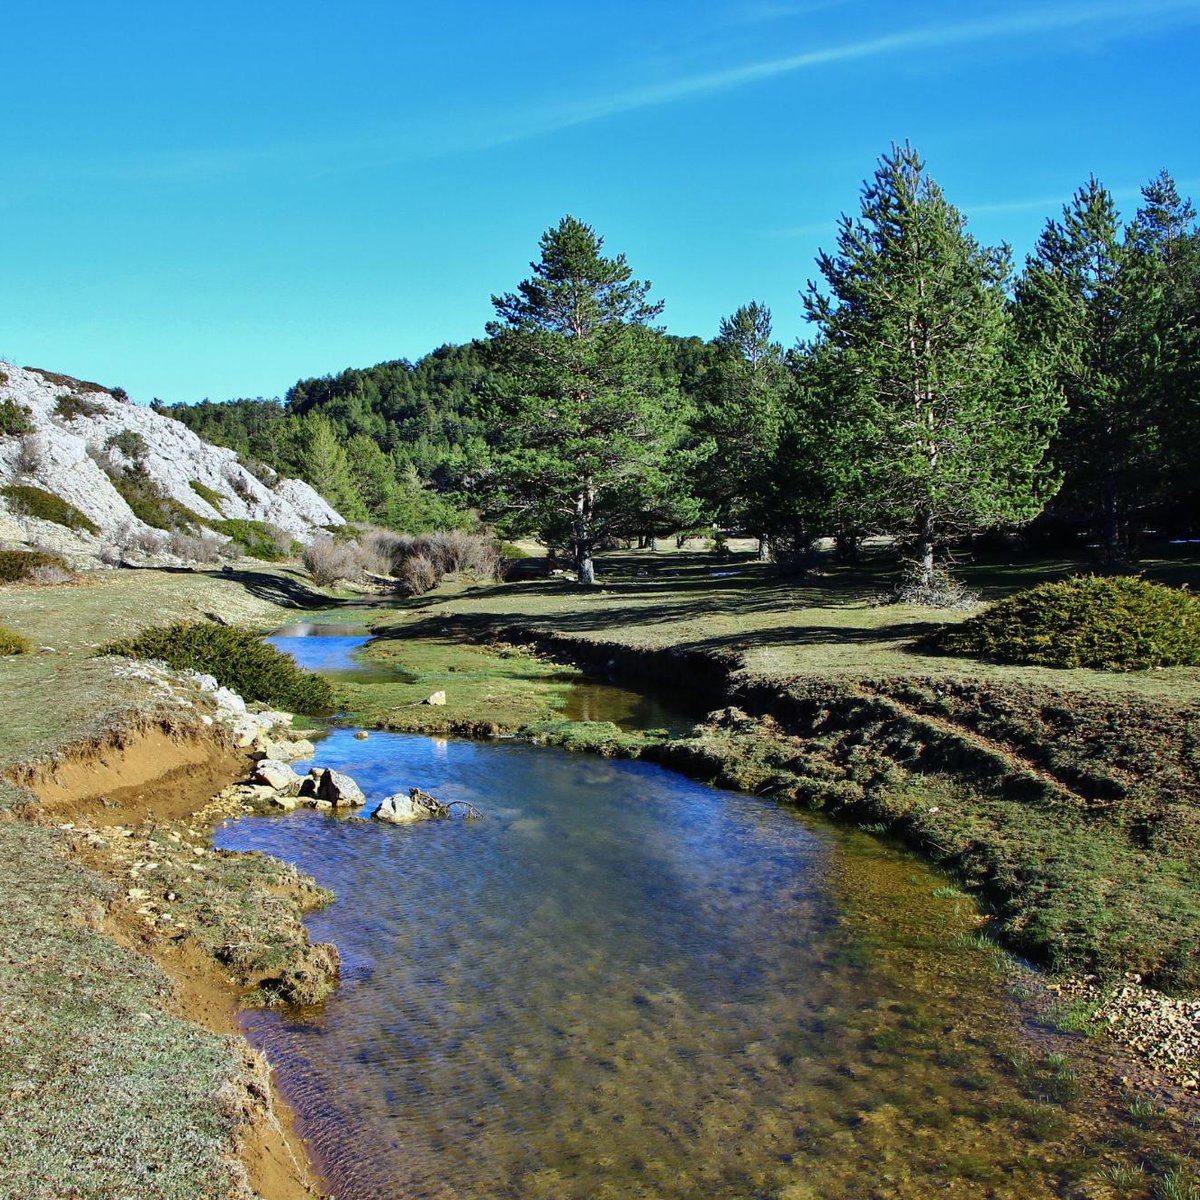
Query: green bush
x,y
1116,624
130,443
15,419
16,565
28,501
13,643
152,505
68,406
237,657
207,494
256,538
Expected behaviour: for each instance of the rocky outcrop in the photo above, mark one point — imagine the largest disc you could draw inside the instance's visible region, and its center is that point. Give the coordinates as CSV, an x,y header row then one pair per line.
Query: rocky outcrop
x,y
75,429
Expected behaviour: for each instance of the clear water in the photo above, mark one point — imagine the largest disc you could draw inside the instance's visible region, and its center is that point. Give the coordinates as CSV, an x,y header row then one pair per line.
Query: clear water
x,y
332,649
624,984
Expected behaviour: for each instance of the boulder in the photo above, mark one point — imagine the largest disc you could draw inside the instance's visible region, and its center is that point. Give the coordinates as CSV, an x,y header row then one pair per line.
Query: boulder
x,y
292,750
332,787
416,806
401,810
437,698
277,774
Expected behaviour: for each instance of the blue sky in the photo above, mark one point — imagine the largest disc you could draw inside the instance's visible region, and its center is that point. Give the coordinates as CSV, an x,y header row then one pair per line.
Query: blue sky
x,y
217,199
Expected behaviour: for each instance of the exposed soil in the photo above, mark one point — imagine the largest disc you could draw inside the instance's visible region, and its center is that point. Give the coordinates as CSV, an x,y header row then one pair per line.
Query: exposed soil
x,y
160,778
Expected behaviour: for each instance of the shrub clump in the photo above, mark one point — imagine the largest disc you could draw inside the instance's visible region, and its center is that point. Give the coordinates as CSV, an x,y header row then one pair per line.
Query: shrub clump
x,y
207,494
328,560
28,501
17,565
13,643
1115,624
15,419
238,657
257,539
68,406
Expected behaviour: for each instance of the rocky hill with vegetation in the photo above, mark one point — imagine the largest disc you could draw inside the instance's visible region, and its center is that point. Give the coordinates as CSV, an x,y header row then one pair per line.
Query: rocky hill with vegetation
x,y
92,477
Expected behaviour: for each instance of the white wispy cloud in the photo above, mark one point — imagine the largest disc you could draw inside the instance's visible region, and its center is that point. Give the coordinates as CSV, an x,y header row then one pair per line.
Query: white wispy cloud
x,y
1121,16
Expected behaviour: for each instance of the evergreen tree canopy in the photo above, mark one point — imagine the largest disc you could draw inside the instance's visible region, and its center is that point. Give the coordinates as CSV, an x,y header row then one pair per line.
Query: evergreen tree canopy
x,y
582,405
915,314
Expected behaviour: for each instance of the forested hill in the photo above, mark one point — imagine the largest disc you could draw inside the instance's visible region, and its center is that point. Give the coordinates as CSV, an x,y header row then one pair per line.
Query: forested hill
x,y
422,424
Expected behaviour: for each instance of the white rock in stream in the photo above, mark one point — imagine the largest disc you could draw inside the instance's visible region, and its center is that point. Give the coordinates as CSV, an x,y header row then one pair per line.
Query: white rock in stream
x,y
401,810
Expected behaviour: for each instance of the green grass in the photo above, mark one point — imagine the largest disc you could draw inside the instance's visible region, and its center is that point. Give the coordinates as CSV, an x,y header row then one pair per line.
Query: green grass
x,y
207,494
28,501
104,1093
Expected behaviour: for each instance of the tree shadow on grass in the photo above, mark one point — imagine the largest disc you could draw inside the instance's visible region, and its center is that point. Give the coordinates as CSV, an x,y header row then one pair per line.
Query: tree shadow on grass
x,y
279,588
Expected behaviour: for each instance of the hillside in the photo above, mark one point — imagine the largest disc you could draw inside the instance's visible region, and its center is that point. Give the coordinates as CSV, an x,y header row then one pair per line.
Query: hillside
x,y
86,473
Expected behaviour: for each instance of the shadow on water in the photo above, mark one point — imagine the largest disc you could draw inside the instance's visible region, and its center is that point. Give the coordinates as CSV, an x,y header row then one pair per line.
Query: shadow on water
x,y
621,983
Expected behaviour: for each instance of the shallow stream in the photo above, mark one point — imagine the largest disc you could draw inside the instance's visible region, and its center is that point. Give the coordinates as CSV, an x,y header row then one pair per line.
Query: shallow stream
x,y
621,983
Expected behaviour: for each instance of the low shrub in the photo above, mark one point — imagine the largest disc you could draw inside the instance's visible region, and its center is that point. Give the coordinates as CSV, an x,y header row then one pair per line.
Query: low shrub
x,y
257,539
238,657
328,560
28,501
13,643
15,419
151,504
1116,624
17,565
419,574
129,444
68,406
207,494
196,547
69,382
434,555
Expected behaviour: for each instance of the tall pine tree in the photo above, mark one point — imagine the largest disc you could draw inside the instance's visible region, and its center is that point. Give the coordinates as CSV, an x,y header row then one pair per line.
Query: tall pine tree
x,y
915,310
582,406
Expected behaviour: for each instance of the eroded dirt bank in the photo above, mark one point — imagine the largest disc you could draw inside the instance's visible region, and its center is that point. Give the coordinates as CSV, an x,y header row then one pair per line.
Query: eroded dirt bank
x,y
136,806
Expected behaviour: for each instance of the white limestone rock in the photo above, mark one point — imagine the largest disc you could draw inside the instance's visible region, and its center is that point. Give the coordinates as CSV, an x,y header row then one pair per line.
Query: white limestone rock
x,y
60,454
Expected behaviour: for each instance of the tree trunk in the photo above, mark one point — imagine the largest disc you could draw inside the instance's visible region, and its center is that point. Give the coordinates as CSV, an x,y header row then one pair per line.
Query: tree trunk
x,y
925,547
764,547
585,504
845,547
652,544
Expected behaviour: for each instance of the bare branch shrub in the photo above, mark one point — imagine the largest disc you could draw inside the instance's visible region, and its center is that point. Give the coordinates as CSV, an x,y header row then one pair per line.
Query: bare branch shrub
x,y
328,561
51,575
195,547
419,574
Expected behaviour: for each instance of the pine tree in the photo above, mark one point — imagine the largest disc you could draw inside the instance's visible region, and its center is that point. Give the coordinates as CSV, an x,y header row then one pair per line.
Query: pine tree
x,y
582,405
741,403
915,317
1089,309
